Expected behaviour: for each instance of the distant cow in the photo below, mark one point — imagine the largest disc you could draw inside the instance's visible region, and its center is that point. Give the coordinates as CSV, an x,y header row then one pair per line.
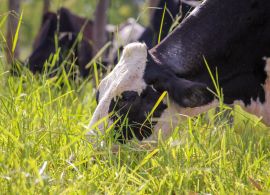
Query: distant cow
x,y
132,31
161,24
66,27
233,37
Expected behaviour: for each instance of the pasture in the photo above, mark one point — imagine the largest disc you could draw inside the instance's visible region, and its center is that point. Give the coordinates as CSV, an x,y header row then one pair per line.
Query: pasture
x,y
43,148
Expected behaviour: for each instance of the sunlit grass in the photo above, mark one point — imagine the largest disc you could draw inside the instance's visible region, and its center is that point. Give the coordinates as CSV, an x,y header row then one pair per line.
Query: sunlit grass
x,y
43,148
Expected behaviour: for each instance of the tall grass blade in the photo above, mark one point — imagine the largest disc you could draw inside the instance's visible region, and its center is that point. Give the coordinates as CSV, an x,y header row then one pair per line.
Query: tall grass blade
x,y
162,21
96,73
3,20
100,52
16,37
146,159
155,106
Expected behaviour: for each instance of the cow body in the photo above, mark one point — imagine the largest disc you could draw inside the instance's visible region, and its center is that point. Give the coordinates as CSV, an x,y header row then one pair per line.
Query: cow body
x,y
233,37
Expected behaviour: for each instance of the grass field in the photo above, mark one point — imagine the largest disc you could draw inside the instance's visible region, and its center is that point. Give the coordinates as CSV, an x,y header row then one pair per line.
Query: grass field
x,y
43,148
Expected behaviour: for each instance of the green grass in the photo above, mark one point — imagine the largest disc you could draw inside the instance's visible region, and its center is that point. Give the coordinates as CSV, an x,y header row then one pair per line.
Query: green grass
x,y
43,148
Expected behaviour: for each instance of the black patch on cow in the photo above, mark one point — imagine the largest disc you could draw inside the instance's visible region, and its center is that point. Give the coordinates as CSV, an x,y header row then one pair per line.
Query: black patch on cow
x,y
245,87
185,92
233,36
135,108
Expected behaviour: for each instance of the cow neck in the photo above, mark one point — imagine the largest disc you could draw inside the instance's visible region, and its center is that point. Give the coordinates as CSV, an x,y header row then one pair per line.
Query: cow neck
x,y
156,71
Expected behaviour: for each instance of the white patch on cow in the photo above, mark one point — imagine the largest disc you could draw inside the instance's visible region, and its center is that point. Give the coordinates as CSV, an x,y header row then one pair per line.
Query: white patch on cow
x,y
126,76
129,32
256,107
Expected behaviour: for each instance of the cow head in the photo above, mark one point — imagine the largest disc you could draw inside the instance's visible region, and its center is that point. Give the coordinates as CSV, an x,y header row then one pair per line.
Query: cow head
x,y
124,87
66,26
132,89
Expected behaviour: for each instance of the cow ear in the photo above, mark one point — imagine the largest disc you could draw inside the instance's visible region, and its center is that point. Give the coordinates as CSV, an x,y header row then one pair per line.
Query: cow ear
x,y
70,22
47,29
189,93
66,20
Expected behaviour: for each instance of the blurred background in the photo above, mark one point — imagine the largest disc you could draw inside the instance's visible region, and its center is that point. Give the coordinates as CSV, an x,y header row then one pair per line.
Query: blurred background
x,y
118,12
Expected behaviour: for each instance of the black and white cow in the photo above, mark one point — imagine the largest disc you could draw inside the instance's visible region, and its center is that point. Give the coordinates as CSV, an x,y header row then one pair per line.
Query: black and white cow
x,y
160,23
233,36
66,26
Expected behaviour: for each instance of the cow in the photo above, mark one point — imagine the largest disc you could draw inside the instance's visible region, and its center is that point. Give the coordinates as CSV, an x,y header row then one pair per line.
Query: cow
x,y
128,32
159,23
66,26
70,26
231,37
